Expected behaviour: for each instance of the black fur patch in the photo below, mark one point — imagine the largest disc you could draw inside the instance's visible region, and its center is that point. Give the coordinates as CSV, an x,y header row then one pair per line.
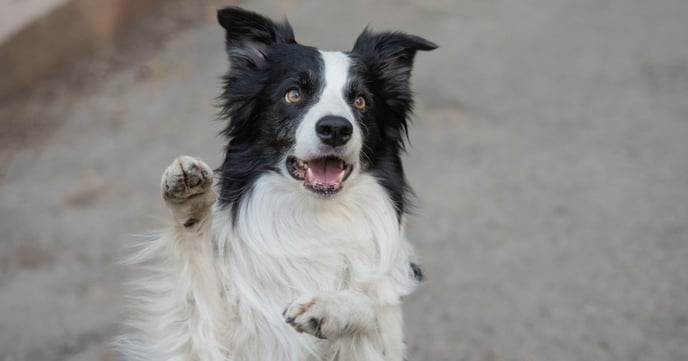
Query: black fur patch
x,y
190,222
384,61
316,325
417,272
265,63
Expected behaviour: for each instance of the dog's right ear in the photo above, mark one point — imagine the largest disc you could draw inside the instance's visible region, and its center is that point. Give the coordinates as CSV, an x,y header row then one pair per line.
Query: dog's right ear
x,y
249,36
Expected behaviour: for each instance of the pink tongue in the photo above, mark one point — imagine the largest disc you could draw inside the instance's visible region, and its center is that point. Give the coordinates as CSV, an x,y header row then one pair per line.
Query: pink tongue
x,y
325,170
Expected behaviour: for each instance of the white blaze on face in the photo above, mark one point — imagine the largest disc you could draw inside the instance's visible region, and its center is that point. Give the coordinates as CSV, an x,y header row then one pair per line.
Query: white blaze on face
x,y
332,101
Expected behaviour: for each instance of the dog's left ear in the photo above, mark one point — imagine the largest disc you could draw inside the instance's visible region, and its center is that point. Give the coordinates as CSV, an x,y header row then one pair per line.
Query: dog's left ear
x,y
391,53
250,36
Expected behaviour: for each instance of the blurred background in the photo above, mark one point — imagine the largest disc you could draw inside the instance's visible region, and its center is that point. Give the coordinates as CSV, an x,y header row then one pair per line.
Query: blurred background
x,y
549,155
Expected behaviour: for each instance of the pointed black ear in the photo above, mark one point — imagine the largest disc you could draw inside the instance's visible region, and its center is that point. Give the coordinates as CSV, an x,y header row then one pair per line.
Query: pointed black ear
x,y
249,36
392,53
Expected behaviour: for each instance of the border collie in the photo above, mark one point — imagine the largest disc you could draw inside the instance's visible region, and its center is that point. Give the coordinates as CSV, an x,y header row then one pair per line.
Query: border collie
x,y
299,252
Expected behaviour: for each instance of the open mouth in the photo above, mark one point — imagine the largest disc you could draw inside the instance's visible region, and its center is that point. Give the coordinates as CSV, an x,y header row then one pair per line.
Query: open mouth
x,y
324,175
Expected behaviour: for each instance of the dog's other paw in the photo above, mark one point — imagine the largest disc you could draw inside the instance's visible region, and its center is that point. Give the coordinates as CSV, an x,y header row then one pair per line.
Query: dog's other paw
x,y
184,178
330,315
307,314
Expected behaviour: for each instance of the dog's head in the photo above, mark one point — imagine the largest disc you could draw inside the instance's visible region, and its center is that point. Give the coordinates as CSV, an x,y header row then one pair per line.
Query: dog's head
x,y
318,118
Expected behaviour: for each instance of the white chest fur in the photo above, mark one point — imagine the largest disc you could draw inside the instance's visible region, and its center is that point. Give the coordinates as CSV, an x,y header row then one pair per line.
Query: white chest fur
x,y
286,244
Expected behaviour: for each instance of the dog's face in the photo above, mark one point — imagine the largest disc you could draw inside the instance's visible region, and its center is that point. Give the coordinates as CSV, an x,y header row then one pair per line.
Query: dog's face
x,y
318,118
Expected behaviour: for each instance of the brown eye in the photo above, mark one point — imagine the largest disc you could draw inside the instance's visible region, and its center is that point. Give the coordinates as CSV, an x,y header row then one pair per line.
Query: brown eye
x,y
293,96
359,103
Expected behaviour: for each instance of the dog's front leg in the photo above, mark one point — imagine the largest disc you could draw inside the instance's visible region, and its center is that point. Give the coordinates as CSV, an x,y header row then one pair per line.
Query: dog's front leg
x,y
187,189
330,315
347,319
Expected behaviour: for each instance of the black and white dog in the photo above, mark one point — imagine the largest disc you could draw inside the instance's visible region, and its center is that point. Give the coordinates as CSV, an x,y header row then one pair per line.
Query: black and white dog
x,y
301,253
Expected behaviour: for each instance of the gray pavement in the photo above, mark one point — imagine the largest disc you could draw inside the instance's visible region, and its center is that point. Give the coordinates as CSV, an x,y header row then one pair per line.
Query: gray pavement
x,y
549,154
17,14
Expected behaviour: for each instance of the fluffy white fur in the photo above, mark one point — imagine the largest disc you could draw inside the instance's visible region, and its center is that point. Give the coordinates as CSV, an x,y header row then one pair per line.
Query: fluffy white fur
x,y
213,290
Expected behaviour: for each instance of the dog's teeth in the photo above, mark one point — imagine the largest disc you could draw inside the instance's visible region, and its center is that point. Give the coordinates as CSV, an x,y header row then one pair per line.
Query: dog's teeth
x,y
340,177
309,175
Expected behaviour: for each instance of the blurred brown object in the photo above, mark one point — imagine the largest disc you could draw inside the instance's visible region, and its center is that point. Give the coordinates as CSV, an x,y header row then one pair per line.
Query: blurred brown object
x,y
62,36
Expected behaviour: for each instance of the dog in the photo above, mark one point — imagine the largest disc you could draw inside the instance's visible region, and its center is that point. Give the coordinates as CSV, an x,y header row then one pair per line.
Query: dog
x,y
297,252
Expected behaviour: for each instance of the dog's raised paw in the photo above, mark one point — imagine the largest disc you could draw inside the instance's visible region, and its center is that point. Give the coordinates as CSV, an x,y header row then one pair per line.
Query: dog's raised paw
x,y
186,177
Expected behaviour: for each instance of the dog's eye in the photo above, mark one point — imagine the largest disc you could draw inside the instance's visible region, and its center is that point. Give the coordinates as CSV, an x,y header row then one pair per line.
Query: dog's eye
x,y
360,103
293,96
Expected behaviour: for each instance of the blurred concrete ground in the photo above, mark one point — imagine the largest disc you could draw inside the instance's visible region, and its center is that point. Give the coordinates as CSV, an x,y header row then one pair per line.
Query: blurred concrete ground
x,y
549,154
18,13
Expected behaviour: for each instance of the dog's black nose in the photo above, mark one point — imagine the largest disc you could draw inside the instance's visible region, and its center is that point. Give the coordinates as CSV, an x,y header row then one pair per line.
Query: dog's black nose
x,y
333,130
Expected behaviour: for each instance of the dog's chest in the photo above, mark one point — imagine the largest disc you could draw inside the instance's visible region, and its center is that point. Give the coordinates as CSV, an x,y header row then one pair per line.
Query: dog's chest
x,y
283,235
287,244
302,244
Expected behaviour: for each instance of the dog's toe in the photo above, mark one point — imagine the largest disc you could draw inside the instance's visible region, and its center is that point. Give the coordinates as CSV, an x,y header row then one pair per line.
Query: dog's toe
x,y
307,315
185,178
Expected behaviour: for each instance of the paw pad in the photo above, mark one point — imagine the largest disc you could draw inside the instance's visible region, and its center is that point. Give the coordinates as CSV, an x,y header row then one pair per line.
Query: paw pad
x,y
185,178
